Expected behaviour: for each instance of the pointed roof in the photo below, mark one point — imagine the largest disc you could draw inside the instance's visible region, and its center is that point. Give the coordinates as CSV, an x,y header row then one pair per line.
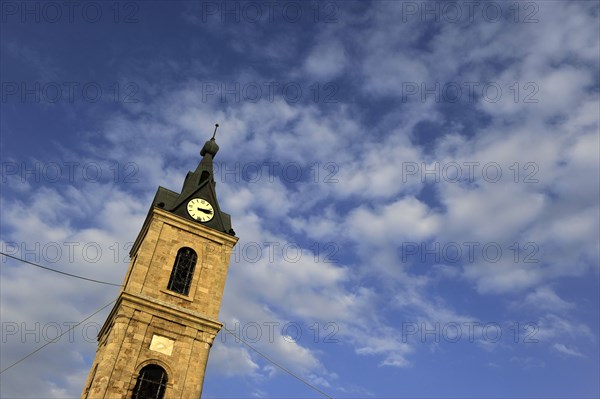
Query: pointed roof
x,y
204,171
198,184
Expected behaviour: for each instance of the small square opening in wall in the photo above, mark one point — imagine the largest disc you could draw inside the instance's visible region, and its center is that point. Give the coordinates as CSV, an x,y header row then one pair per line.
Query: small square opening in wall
x,y
162,345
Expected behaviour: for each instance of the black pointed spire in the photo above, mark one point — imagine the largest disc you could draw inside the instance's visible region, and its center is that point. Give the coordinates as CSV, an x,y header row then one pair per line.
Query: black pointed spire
x,y
198,184
211,147
208,152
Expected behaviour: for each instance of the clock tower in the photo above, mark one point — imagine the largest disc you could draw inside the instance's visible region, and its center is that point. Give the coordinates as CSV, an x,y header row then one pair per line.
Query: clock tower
x,y
155,341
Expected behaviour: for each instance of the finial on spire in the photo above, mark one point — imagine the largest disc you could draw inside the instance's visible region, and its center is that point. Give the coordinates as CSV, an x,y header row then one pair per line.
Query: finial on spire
x,y
211,147
215,132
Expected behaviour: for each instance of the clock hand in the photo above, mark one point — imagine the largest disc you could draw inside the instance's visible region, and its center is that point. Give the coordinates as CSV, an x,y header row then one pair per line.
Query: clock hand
x,y
207,211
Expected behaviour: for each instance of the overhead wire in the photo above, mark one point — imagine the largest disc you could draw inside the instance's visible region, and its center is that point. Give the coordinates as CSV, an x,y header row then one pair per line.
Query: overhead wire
x,y
58,271
277,364
105,306
57,338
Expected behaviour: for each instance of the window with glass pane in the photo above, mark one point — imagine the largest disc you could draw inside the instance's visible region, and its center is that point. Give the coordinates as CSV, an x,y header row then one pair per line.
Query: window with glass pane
x,y
151,383
183,270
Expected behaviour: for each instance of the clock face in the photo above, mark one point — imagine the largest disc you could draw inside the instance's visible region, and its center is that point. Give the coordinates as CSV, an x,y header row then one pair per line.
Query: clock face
x,y
200,209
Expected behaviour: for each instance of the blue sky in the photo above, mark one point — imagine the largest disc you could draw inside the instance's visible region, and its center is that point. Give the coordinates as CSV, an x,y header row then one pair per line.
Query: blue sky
x,y
415,186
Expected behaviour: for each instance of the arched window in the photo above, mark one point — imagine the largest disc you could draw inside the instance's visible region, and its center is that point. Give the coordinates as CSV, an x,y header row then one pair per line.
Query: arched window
x,y
183,270
151,383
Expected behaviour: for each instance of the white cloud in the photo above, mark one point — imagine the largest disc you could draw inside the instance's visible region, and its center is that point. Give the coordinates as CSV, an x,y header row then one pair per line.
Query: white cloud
x,y
546,299
405,219
326,60
552,327
395,352
527,362
563,349
231,360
